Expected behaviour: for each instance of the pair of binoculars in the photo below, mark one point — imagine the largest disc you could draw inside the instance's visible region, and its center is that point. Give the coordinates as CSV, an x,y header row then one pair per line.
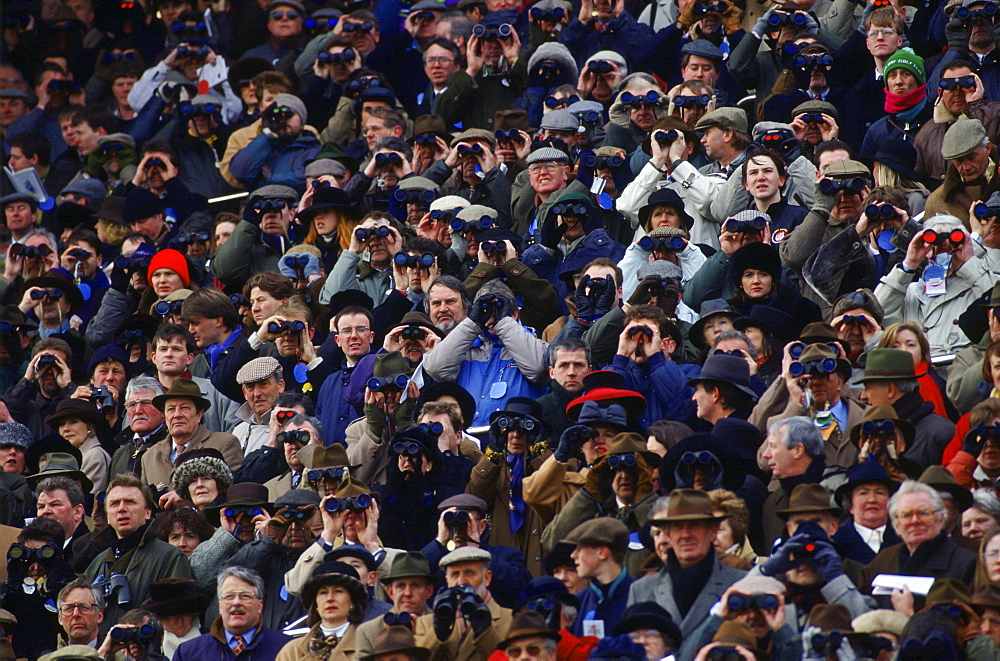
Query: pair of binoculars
x,y
365,233
354,504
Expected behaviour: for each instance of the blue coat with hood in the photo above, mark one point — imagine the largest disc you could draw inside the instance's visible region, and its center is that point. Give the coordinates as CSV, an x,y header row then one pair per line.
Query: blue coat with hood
x,y
266,161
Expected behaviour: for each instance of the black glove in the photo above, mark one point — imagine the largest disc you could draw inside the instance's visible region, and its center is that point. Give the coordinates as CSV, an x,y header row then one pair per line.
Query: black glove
x,y
444,611
274,121
974,441
481,619
606,299
503,308
120,279
643,294
571,441
957,31
826,561
552,233
482,309
585,308
787,556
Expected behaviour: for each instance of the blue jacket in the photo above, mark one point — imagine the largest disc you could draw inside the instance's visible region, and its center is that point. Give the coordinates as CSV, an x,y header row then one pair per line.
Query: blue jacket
x,y
550,266
664,385
213,647
263,162
332,407
606,602
495,381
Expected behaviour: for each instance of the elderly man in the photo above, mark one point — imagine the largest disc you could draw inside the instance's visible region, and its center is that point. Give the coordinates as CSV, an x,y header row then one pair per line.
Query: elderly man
x,y
890,379
183,408
490,354
865,496
136,556
262,381
260,238
238,629
410,586
794,454
145,426
534,191
81,611
918,515
60,498
691,578
447,303
480,178
970,155
480,633
529,631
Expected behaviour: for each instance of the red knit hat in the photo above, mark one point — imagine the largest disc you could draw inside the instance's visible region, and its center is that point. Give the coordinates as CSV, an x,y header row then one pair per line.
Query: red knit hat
x,y
169,259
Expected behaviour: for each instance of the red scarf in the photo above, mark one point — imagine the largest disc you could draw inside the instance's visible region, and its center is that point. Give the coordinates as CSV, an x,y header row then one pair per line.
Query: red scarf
x,y
929,390
895,103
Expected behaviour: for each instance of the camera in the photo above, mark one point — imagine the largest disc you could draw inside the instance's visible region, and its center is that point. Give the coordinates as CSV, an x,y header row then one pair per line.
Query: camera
x,y
365,233
103,398
163,308
381,384
354,504
299,437
457,225
20,250
279,327
141,634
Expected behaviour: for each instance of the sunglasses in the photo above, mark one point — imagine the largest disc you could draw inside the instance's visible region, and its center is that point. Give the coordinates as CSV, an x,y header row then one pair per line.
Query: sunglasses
x,y
282,15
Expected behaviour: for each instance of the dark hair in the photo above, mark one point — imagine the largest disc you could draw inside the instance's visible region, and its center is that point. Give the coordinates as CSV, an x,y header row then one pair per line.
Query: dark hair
x,y
271,81
84,235
832,145
353,309
167,332
132,481
161,147
211,303
125,70
687,58
338,40
604,261
730,396
32,144
43,529
887,194
668,432
450,47
46,67
957,64
97,117
53,344
420,244
452,283
272,282
188,517
290,399
389,116
761,152
363,15
72,488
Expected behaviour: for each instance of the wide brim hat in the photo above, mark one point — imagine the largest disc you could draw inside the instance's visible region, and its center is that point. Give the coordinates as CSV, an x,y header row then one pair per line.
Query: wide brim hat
x,y
885,364
697,331
524,406
603,387
898,155
687,505
759,256
333,573
648,615
327,198
430,124
820,332
733,370
175,596
182,387
528,624
61,464
315,456
733,472
865,472
662,197
466,402
986,597
819,352
883,412
417,318
809,499
81,409
248,494
396,639
779,324
47,445
55,280
941,479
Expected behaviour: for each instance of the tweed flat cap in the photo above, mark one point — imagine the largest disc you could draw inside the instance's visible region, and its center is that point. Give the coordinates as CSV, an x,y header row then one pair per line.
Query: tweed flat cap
x,y
275,191
547,154
257,369
815,105
117,138
559,120
847,169
16,434
603,531
474,212
324,166
465,554
727,119
474,134
962,137
703,48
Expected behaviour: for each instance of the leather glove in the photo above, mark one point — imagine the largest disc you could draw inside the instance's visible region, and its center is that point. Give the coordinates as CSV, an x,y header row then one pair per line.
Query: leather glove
x,y
444,617
120,279
687,17
482,309
572,439
643,294
552,233
584,304
783,558
481,620
762,27
732,19
973,442
826,561
606,299
503,308
311,267
956,32
822,201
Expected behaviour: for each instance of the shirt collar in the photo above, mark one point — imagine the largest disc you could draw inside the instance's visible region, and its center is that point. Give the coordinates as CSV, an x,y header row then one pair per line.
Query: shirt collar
x,y
247,637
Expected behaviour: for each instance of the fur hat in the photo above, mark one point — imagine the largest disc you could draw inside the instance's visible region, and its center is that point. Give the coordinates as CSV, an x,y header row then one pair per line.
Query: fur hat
x,y
213,467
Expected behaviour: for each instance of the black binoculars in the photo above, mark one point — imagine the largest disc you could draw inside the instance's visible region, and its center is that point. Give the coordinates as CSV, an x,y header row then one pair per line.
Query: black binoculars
x,y
294,326
54,294
354,504
346,56
141,634
298,437
365,233
380,384
20,250
406,260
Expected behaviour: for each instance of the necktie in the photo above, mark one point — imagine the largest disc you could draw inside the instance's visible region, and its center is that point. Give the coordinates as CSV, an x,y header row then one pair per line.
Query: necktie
x,y
238,645
516,503
296,478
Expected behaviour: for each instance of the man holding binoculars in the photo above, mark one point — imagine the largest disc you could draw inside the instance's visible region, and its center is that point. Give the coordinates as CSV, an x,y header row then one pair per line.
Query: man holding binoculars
x,y
279,153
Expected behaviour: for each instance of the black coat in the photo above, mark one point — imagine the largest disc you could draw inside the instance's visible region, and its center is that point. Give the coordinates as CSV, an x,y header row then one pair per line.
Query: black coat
x,y
850,545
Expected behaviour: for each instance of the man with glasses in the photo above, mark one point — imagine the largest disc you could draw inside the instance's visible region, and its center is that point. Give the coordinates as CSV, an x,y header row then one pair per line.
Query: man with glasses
x,y
917,514
81,611
145,426
442,60
352,329
240,630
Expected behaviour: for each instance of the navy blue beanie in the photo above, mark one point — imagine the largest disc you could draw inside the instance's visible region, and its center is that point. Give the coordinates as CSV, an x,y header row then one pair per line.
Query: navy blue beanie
x,y
108,352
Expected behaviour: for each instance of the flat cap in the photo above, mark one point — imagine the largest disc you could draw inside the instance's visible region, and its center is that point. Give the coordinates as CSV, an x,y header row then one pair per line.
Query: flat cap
x,y
758,584
727,119
257,369
547,154
288,3
610,56
661,268
560,120
602,531
89,188
297,498
418,183
432,5
72,652
815,105
465,554
275,190
13,93
474,134
474,212
450,202
325,166
117,138
962,137
465,501
703,48
847,169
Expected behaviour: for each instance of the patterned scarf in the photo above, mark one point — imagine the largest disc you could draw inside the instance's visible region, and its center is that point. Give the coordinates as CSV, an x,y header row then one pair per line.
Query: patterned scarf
x,y
322,646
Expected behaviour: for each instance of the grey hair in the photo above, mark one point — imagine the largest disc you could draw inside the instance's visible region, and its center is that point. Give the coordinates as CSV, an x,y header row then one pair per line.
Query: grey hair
x,y
737,335
303,419
452,283
80,584
72,488
912,486
243,574
496,287
944,222
637,77
570,611
986,501
143,383
661,504
799,430
907,385
568,344
49,236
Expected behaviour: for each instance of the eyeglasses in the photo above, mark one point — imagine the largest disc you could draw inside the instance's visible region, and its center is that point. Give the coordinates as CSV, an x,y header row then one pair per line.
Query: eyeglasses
x,y
84,608
360,330
282,15
923,515
438,60
515,651
131,406
885,33
241,596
